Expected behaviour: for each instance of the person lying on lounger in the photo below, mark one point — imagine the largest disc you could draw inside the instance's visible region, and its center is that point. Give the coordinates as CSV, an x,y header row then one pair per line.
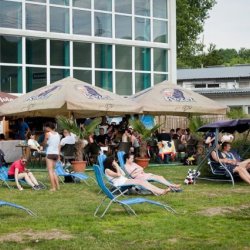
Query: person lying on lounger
x,y
19,171
117,177
137,172
234,166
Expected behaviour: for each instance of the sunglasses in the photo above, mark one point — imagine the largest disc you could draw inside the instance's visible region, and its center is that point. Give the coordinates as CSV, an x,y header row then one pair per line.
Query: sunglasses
x,y
24,161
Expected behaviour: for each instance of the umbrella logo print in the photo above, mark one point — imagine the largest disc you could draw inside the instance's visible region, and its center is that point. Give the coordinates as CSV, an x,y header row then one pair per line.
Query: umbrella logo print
x,y
175,95
44,94
91,93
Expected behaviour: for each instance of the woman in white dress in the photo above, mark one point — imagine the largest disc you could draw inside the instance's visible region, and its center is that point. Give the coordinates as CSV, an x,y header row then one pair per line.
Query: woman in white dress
x,y
117,177
52,153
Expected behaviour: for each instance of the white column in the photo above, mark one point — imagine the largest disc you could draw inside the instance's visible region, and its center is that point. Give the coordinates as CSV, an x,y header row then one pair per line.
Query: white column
x,y
172,41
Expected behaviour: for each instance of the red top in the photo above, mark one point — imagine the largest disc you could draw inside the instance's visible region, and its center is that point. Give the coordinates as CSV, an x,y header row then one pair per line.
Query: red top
x,y
17,164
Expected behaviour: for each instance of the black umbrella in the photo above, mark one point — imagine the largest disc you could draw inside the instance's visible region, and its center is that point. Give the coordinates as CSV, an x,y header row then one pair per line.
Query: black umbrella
x,y
229,126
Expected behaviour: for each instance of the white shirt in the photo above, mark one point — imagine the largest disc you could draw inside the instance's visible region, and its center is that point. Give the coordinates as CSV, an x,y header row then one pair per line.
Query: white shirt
x,y
53,143
32,143
69,139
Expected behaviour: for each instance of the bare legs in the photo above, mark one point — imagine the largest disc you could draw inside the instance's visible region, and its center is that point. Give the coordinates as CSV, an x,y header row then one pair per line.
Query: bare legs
x,y
29,178
148,186
162,180
243,173
52,175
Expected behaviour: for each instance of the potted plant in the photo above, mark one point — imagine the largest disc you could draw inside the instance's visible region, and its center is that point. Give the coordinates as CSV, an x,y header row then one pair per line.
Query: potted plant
x,y
82,134
145,134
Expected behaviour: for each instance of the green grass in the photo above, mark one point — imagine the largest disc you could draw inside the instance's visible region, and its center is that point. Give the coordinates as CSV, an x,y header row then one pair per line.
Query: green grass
x,y
70,211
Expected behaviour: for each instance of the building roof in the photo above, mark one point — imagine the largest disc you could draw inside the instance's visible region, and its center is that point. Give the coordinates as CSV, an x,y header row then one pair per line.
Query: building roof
x,y
206,91
214,72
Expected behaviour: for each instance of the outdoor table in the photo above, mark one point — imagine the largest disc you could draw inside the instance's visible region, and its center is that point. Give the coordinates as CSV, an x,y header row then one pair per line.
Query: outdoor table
x,y
24,148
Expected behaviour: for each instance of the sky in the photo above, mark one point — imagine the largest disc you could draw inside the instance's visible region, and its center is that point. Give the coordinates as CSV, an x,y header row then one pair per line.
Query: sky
x,y
228,25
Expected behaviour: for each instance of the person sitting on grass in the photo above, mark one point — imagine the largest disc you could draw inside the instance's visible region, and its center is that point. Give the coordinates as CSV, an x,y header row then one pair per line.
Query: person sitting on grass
x,y
117,177
234,166
18,171
137,172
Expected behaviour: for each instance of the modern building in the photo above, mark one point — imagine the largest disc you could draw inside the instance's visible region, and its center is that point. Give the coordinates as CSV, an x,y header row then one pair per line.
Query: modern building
x,y
227,85
120,45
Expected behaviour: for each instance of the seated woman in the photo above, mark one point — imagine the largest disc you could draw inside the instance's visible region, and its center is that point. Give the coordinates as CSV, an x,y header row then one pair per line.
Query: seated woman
x,y
117,177
137,172
234,166
19,171
34,145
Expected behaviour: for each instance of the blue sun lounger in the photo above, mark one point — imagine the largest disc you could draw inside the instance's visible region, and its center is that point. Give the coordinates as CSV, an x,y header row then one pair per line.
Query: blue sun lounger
x,y
60,172
125,203
9,204
5,180
120,155
101,159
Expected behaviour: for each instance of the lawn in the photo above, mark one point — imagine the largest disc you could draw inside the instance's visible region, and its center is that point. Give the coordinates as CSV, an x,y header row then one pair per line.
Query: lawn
x,y
210,216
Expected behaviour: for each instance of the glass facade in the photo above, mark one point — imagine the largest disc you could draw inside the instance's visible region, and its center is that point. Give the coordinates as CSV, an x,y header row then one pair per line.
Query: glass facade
x,y
36,17
59,38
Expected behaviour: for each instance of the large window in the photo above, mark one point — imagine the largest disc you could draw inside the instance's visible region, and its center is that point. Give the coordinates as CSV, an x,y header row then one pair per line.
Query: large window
x,y
103,79
82,4
142,29
11,79
160,60
58,74
81,54
59,20
83,75
82,22
124,83
105,5
123,27
142,81
160,31
60,2
158,78
123,6
59,53
103,56
38,1
103,24
142,7
10,49
35,51
142,59
10,14
35,78
123,57
160,8
35,17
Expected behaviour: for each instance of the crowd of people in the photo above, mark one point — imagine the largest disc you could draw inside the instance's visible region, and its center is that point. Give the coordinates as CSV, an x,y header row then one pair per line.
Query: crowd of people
x,y
109,138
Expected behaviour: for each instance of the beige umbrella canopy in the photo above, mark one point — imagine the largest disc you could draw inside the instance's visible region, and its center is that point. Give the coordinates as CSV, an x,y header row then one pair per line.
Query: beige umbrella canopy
x,y
171,99
5,98
68,96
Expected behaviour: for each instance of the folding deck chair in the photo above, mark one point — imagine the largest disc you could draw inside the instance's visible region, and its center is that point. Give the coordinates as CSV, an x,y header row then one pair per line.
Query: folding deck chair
x,y
9,204
120,155
60,172
125,203
4,179
101,158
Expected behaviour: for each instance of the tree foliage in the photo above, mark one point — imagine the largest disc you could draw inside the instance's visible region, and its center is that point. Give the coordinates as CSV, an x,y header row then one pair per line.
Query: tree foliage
x,y
213,57
190,18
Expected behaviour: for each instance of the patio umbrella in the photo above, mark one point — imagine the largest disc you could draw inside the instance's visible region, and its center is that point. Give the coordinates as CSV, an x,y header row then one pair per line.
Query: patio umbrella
x,y
5,98
228,126
69,96
171,99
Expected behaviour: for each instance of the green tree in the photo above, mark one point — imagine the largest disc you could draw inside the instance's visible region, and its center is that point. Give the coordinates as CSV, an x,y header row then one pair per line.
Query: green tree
x,y
213,57
190,18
